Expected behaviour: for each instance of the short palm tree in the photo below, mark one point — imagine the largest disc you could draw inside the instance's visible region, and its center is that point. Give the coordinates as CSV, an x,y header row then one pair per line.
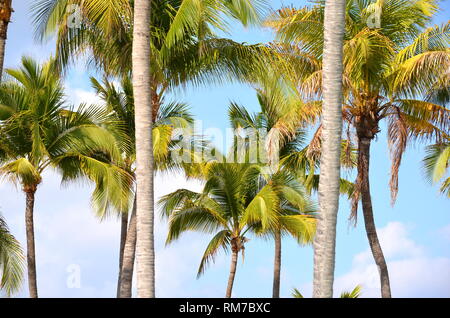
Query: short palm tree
x,y
38,132
12,261
388,72
236,198
281,122
278,124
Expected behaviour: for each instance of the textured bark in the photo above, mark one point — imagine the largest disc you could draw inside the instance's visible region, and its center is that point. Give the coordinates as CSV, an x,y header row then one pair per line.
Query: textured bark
x,y
5,17
325,239
126,279
2,54
234,259
31,253
145,254
277,266
377,252
123,237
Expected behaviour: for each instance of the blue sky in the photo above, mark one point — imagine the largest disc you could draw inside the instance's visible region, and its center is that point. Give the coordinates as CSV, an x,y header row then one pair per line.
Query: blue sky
x,y
415,233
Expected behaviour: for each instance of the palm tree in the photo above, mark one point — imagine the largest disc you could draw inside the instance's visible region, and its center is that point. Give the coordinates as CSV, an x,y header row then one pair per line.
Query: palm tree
x,y
38,132
5,17
11,261
171,116
282,121
236,198
388,72
279,122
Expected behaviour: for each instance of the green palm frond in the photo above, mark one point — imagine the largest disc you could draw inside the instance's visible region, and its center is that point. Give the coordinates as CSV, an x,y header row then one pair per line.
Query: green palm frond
x,y
301,227
262,209
355,293
296,293
21,171
220,240
12,261
436,164
192,218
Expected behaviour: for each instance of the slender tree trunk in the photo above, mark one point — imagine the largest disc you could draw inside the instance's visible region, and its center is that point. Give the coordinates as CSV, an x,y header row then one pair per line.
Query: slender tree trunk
x,y
31,253
123,237
145,253
277,266
325,239
126,279
377,252
234,259
5,16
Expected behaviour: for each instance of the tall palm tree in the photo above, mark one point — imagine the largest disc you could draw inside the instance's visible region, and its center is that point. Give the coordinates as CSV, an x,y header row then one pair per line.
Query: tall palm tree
x,y
182,36
325,239
282,120
236,198
388,72
143,114
171,116
5,17
11,261
37,132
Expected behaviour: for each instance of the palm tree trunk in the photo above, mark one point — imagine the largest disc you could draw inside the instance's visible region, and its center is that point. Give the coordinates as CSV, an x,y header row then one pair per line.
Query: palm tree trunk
x,y
277,266
31,253
5,16
123,237
325,239
126,279
2,50
145,253
377,252
234,259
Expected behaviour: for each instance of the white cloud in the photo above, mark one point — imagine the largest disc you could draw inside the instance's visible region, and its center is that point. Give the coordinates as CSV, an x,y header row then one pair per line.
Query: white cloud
x,y
68,233
412,272
77,96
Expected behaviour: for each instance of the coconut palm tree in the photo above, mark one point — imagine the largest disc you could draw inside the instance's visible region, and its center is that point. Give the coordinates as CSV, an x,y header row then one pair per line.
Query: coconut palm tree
x,y
171,116
236,198
388,72
5,17
278,125
38,132
281,122
12,261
